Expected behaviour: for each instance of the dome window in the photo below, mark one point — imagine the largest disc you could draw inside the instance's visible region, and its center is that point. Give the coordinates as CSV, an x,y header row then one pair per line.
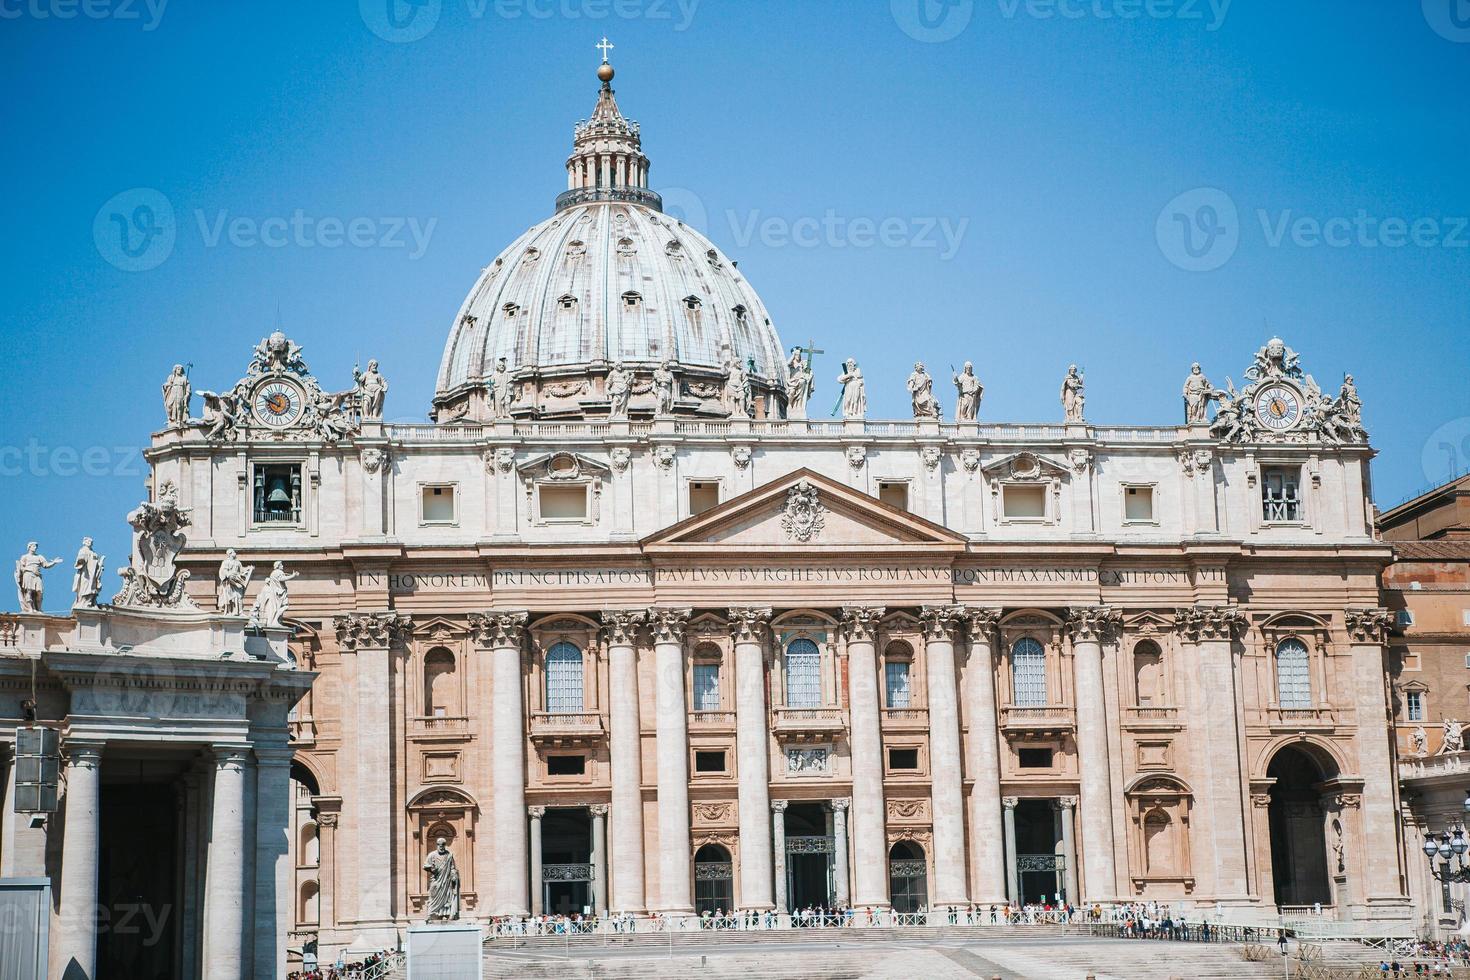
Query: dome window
x,y
510,310
692,304
714,258
626,247
674,250
576,250
567,302
632,300
531,255
740,316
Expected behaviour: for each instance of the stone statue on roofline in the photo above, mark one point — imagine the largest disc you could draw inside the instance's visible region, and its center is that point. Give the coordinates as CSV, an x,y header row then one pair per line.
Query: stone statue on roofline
x,y
1074,396
28,583
86,583
969,391
854,390
921,393
799,384
176,397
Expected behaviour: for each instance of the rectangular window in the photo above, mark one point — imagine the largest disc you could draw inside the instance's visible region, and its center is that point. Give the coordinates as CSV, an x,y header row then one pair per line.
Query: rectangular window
x,y
1414,704
563,503
903,758
803,674
1024,502
709,762
277,493
896,683
1404,618
706,687
1281,497
437,505
566,765
1293,674
894,493
703,494
1138,504
1034,758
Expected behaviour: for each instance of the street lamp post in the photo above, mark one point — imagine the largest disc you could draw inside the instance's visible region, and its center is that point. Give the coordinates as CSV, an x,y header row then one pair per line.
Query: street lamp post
x,y
1449,847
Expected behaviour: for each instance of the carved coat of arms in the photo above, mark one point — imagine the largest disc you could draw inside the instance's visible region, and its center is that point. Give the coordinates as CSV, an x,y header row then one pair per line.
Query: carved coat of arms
x,y
803,516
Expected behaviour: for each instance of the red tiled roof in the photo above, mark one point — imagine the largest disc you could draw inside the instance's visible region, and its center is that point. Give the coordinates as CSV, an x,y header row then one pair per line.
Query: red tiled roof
x,y
1431,550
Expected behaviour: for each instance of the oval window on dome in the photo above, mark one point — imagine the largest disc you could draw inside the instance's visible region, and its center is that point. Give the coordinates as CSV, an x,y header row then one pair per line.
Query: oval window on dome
x,y
576,250
692,304
674,250
632,300
626,247
531,255
510,310
714,258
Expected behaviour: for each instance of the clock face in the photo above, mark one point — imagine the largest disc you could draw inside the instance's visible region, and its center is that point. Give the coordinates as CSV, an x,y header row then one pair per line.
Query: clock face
x,y
1278,407
277,404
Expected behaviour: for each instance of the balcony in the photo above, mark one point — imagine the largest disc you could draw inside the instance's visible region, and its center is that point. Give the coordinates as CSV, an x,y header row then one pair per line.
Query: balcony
x,y
429,728
1316,718
1151,716
905,719
712,721
809,724
302,731
566,727
1037,721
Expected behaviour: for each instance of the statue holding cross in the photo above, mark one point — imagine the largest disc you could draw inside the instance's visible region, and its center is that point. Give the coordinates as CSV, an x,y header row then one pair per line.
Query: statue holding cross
x,y
799,379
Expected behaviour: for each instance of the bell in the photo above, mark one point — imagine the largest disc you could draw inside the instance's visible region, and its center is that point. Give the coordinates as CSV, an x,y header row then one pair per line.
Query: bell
x,y
279,497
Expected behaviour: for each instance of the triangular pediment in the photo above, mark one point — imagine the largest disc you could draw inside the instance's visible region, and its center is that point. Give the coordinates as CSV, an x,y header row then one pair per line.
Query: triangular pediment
x,y
805,511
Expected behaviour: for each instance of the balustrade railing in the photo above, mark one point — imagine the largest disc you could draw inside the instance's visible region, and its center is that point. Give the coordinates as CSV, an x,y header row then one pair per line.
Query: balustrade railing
x,y
440,723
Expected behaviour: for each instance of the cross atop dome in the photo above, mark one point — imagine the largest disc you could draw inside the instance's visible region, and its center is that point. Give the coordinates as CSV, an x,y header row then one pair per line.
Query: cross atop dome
x,y
604,46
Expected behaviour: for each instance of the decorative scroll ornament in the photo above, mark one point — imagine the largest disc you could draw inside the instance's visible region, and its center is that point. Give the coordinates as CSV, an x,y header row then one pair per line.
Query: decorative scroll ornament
x,y
620,626
498,629
857,456
712,813
861,622
740,456
1195,462
1206,622
152,579
931,456
375,630
749,623
907,868
373,459
1092,622
500,459
566,872
970,460
906,809
712,871
663,456
619,457
1080,458
804,515
1369,625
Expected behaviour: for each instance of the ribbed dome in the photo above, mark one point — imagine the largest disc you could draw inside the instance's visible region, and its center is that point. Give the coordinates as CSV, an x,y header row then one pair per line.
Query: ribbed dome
x,y
608,278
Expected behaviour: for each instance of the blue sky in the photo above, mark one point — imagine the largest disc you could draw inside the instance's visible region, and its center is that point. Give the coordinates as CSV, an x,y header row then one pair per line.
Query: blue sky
x,y
1033,167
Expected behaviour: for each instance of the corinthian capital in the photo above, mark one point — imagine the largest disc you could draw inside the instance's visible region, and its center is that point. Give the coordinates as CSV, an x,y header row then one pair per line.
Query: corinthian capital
x,y
941,622
861,622
620,626
1205,622
667,625
981,621
748,624
1368,625
374,630
498,629
1092,622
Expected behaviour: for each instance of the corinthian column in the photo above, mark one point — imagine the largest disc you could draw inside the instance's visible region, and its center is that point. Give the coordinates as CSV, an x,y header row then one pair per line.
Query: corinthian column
x,y
368,638
502,634
76,942
224,900
621,631
1088,625
1381,877
945,773
672,725
987,838
748,627
870,853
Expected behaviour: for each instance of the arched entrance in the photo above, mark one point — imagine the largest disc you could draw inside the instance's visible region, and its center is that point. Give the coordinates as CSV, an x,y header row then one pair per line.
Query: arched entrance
x,y
713,891
908,878
808,856
1298,837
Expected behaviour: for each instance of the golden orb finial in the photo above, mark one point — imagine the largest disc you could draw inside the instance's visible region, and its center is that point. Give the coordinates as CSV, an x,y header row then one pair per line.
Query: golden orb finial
x,y
605,72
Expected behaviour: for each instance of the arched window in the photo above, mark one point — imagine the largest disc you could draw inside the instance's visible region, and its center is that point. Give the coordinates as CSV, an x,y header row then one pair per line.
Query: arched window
x,y
1148,673
564,678
1293,674
440,697
803,674
1028,673
908,889
1158,843
712,880
897,680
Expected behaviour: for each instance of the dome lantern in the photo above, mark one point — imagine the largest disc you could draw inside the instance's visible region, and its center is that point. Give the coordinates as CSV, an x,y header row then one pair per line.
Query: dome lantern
x,y
607,161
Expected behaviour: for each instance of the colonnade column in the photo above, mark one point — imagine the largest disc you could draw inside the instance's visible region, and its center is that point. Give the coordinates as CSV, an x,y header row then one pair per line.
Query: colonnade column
x,y
625,748
1088,625
599,858
870,874
224,897
946,776
988,842
1382,873
369,638
748,626
1068,806
273,885
502,633
675,863
76,950
839,847
1013,878
535,813
1212,630
778,852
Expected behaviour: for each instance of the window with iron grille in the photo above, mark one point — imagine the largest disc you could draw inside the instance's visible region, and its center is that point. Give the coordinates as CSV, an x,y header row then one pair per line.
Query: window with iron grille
x,y
1281,493
564,678
706,687
896,675
803,674
277,493
1293,675
1028,673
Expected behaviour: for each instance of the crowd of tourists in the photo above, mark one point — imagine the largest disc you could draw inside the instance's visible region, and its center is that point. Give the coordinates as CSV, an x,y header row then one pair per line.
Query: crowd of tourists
x,y
1428,959
362,969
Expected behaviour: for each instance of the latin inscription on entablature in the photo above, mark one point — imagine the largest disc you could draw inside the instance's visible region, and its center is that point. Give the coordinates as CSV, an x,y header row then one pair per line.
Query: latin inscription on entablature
x,y
404,583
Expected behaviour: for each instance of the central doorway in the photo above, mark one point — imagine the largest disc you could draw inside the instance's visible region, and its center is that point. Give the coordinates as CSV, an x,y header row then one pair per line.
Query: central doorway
x,y
1040,867
138,880
808,856
1298,837
566,861
713,880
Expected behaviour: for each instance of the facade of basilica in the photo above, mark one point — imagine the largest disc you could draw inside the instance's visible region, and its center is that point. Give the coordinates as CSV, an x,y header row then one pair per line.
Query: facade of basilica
x,y
631,633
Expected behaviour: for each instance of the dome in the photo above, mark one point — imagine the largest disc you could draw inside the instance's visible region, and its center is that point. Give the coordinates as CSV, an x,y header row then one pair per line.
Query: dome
x,y
607,279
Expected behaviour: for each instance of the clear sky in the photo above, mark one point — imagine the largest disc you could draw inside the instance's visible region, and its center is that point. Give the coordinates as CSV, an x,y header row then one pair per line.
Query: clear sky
x,y
1128,184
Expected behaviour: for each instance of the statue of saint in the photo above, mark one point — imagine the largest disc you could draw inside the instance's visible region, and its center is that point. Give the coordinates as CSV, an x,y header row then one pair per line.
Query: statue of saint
x,y
221,414
270,606
1419,739
799,384
373,388
1073,396
737,388
921,393
1198,393
1454,737
619,390
28,584
1349,407
443,901
501,391
970,391
854,391
87,582
234,577
663,388
176,397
